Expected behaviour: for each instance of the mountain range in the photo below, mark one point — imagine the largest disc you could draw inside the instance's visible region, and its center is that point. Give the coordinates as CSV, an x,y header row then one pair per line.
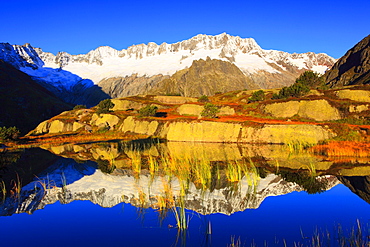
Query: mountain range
x,y
140,69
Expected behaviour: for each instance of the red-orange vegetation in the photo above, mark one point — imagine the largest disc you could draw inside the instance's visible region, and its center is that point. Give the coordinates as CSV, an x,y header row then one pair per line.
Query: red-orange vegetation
x,y
343,149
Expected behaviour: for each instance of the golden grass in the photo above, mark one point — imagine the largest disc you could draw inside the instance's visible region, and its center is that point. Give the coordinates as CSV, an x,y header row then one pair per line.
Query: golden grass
x,y
343,149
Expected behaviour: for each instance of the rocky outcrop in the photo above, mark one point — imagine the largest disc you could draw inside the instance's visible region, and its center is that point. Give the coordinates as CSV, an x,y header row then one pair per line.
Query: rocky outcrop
x,y
118,87
318,110
205,77
355,95
353,68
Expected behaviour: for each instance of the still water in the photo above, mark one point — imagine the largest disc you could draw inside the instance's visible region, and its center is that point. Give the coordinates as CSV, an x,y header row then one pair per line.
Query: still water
x,y
181,194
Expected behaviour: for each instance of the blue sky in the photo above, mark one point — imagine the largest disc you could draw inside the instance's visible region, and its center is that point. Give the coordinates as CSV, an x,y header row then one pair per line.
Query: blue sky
x,y
78,26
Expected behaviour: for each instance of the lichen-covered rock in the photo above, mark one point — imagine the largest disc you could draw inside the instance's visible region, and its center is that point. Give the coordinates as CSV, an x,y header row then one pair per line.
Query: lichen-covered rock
x,y
225,111
356,95
76,126
203,132
124,105
174,99
57,126
190,109
139,127
42,128
106,119
300,133
319,110
358,108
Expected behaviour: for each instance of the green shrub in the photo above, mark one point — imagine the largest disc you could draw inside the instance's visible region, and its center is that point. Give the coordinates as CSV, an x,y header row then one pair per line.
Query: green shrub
x,y
203,99
77,107
257,96
7,134
295,90
311,79
104,106
210,111
148,111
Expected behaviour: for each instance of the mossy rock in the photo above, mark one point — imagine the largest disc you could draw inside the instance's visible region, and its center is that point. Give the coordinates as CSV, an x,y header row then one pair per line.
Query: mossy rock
x,y
226,111
304,134
139,126
76,126
58,126
318,110
190,109
42,128
358,108
107,119
174,99
124,105
355,95
203,132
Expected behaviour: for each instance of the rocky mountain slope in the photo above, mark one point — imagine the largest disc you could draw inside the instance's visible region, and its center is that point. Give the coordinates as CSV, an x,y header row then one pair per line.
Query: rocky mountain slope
x,y
67,73
23,102
205,77
353,68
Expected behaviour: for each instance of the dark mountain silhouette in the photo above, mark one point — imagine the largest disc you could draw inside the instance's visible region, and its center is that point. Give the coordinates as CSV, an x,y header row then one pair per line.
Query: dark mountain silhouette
x,y
353,68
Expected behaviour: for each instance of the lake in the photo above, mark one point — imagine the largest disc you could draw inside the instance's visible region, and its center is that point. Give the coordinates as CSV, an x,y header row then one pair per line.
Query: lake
x,y
151,193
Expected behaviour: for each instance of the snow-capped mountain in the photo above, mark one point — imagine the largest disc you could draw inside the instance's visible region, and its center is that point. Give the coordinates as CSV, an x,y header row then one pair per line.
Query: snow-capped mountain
x,y
166,59
72,181
65,71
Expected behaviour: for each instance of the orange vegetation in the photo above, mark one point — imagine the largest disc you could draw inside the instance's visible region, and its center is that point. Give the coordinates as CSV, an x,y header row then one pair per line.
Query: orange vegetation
x,y
59,139
343,148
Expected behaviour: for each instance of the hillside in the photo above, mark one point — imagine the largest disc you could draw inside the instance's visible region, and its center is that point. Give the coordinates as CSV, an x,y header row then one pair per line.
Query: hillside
x,y
23,102
204,77
353,68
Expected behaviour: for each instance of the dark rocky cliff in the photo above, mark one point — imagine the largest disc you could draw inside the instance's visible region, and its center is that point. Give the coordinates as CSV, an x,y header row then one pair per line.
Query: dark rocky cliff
x,y
353,68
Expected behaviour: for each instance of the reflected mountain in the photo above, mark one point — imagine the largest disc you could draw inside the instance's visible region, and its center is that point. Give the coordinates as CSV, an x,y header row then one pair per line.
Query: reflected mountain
x,y
358,185
206,178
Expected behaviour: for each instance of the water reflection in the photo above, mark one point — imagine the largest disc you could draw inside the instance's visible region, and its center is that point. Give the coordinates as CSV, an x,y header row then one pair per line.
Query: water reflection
x,y
171,178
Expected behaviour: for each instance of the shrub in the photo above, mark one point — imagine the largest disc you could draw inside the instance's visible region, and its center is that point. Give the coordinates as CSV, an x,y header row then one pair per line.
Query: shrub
x,y
203,99
104,106
295,90
311,79
77,107
148,111
257,96
7,134
210,111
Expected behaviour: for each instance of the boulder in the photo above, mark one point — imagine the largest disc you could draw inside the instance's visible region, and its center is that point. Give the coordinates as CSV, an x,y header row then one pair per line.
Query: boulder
x,y
318,110
355,95
190,109
226,110
107,119
139,127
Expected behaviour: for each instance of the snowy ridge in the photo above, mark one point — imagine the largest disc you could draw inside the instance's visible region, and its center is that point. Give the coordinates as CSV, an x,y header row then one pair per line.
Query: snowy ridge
x,y
166,59
65,70
110,190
